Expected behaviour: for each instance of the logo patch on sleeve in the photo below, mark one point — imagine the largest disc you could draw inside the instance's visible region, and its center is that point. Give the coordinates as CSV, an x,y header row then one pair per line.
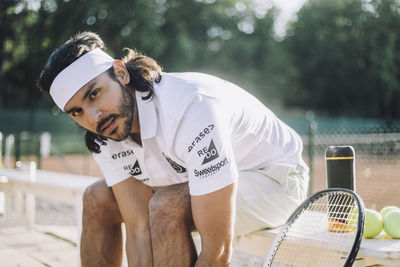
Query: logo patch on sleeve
x,y
207,130
178,168
209,153
211,170
135,170
122,154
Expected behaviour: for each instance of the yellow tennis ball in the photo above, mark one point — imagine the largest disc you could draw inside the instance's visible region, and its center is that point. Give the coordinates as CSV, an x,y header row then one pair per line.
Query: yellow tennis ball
x,y
373,223
352,218
385,211
392,223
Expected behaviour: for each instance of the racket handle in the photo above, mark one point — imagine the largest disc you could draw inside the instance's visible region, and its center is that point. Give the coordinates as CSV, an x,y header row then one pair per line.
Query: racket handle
x,y
340,171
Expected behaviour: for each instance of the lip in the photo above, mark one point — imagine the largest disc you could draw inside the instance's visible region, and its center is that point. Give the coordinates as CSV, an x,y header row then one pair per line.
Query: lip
x,y
109,126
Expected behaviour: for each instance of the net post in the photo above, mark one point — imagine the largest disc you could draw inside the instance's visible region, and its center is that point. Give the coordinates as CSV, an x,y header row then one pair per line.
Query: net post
x,y
38,153
1,150
17,151
312,129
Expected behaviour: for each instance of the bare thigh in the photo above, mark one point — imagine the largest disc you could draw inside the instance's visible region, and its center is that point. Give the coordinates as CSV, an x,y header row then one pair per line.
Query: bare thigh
x,y
172,202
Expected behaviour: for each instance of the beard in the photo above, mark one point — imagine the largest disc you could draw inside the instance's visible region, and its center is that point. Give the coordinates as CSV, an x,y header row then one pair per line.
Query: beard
x,y
126,111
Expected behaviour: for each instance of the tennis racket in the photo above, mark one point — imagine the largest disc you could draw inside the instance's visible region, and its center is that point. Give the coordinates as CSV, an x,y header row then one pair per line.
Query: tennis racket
x,y
325,230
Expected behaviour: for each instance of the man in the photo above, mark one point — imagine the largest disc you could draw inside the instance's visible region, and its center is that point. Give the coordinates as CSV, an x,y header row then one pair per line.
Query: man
x,y
180,151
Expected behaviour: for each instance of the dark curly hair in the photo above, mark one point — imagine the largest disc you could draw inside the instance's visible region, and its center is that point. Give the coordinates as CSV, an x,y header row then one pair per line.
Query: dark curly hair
x,y
140,68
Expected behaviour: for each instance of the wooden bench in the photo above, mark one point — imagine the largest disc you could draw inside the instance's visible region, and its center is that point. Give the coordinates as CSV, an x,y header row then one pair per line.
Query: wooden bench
x,y
380,251
23,186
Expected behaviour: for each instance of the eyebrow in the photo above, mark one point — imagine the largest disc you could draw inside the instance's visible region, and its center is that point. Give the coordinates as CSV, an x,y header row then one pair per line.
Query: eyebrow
x,y
90,87
87,92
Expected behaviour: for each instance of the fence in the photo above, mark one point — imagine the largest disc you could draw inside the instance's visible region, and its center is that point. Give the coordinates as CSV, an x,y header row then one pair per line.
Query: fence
x,y
377,161
59,152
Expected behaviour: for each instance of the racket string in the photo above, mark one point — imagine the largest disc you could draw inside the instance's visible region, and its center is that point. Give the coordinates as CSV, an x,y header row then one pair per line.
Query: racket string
x,y
322,234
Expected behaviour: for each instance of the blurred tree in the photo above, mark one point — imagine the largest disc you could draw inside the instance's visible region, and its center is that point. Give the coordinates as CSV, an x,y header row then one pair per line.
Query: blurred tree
x,y
7,18
345,56
382,44
339,56
228,37
38,27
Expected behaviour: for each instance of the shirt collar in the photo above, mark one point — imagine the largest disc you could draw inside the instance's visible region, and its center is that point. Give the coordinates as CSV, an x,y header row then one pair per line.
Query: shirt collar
x,y
147,115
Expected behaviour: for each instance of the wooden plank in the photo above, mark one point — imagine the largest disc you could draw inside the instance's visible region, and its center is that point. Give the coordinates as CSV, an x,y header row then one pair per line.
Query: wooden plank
x,y
21,247
66,188
53,179
380,250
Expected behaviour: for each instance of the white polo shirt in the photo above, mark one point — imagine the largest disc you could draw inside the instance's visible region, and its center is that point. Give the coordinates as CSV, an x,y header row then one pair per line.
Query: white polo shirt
x,y
204,130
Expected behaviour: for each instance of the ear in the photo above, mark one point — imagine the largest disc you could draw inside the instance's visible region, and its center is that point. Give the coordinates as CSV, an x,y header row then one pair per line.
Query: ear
x,y
121,72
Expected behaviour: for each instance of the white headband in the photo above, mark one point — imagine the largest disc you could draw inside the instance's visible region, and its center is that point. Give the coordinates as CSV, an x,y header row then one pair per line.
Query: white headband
x,y
79,73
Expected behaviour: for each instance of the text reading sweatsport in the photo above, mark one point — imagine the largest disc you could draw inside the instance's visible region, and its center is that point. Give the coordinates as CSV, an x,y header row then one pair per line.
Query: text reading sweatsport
x,y
210,170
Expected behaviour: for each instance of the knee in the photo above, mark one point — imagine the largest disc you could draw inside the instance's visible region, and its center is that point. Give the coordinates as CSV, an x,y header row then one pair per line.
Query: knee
x,y
94,195
99,202
169,209
158,210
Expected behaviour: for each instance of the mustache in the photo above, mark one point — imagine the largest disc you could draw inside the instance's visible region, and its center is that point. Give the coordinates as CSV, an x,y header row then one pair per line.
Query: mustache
x,y
105,120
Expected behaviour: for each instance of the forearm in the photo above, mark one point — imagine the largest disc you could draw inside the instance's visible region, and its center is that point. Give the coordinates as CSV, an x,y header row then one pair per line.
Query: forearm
x,y
133,201
214,215
138,248
214,257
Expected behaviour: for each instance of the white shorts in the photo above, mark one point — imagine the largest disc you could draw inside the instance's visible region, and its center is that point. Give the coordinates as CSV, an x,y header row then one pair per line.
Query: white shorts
x,y
264,203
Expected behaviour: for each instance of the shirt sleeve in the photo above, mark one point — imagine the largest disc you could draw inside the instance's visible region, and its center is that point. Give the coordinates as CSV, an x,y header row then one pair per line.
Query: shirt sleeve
x,y
113,170
203,141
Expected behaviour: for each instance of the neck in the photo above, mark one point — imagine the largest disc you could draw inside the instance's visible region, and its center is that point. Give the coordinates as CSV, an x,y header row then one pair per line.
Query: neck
x,y
136,138
135,130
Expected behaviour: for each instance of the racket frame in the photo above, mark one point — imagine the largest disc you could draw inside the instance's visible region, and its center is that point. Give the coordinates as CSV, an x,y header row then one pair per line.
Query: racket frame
x,y
351,257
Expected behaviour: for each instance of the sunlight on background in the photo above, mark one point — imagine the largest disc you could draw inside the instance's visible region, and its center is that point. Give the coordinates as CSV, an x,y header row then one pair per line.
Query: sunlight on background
x,y
288,10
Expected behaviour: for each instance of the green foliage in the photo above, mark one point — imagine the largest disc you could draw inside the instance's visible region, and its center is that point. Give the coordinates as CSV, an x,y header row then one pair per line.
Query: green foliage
x,y
345,57
202,35
340,57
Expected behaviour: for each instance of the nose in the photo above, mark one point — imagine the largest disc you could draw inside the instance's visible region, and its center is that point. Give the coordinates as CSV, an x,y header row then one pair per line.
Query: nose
x,y
93,115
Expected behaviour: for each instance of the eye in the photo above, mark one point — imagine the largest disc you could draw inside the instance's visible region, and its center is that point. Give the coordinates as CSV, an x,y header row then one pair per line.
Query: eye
x,y
76,112
94,93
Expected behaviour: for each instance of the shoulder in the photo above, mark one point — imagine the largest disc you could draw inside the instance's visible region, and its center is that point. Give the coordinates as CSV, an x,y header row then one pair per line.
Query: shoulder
x,y
176,91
